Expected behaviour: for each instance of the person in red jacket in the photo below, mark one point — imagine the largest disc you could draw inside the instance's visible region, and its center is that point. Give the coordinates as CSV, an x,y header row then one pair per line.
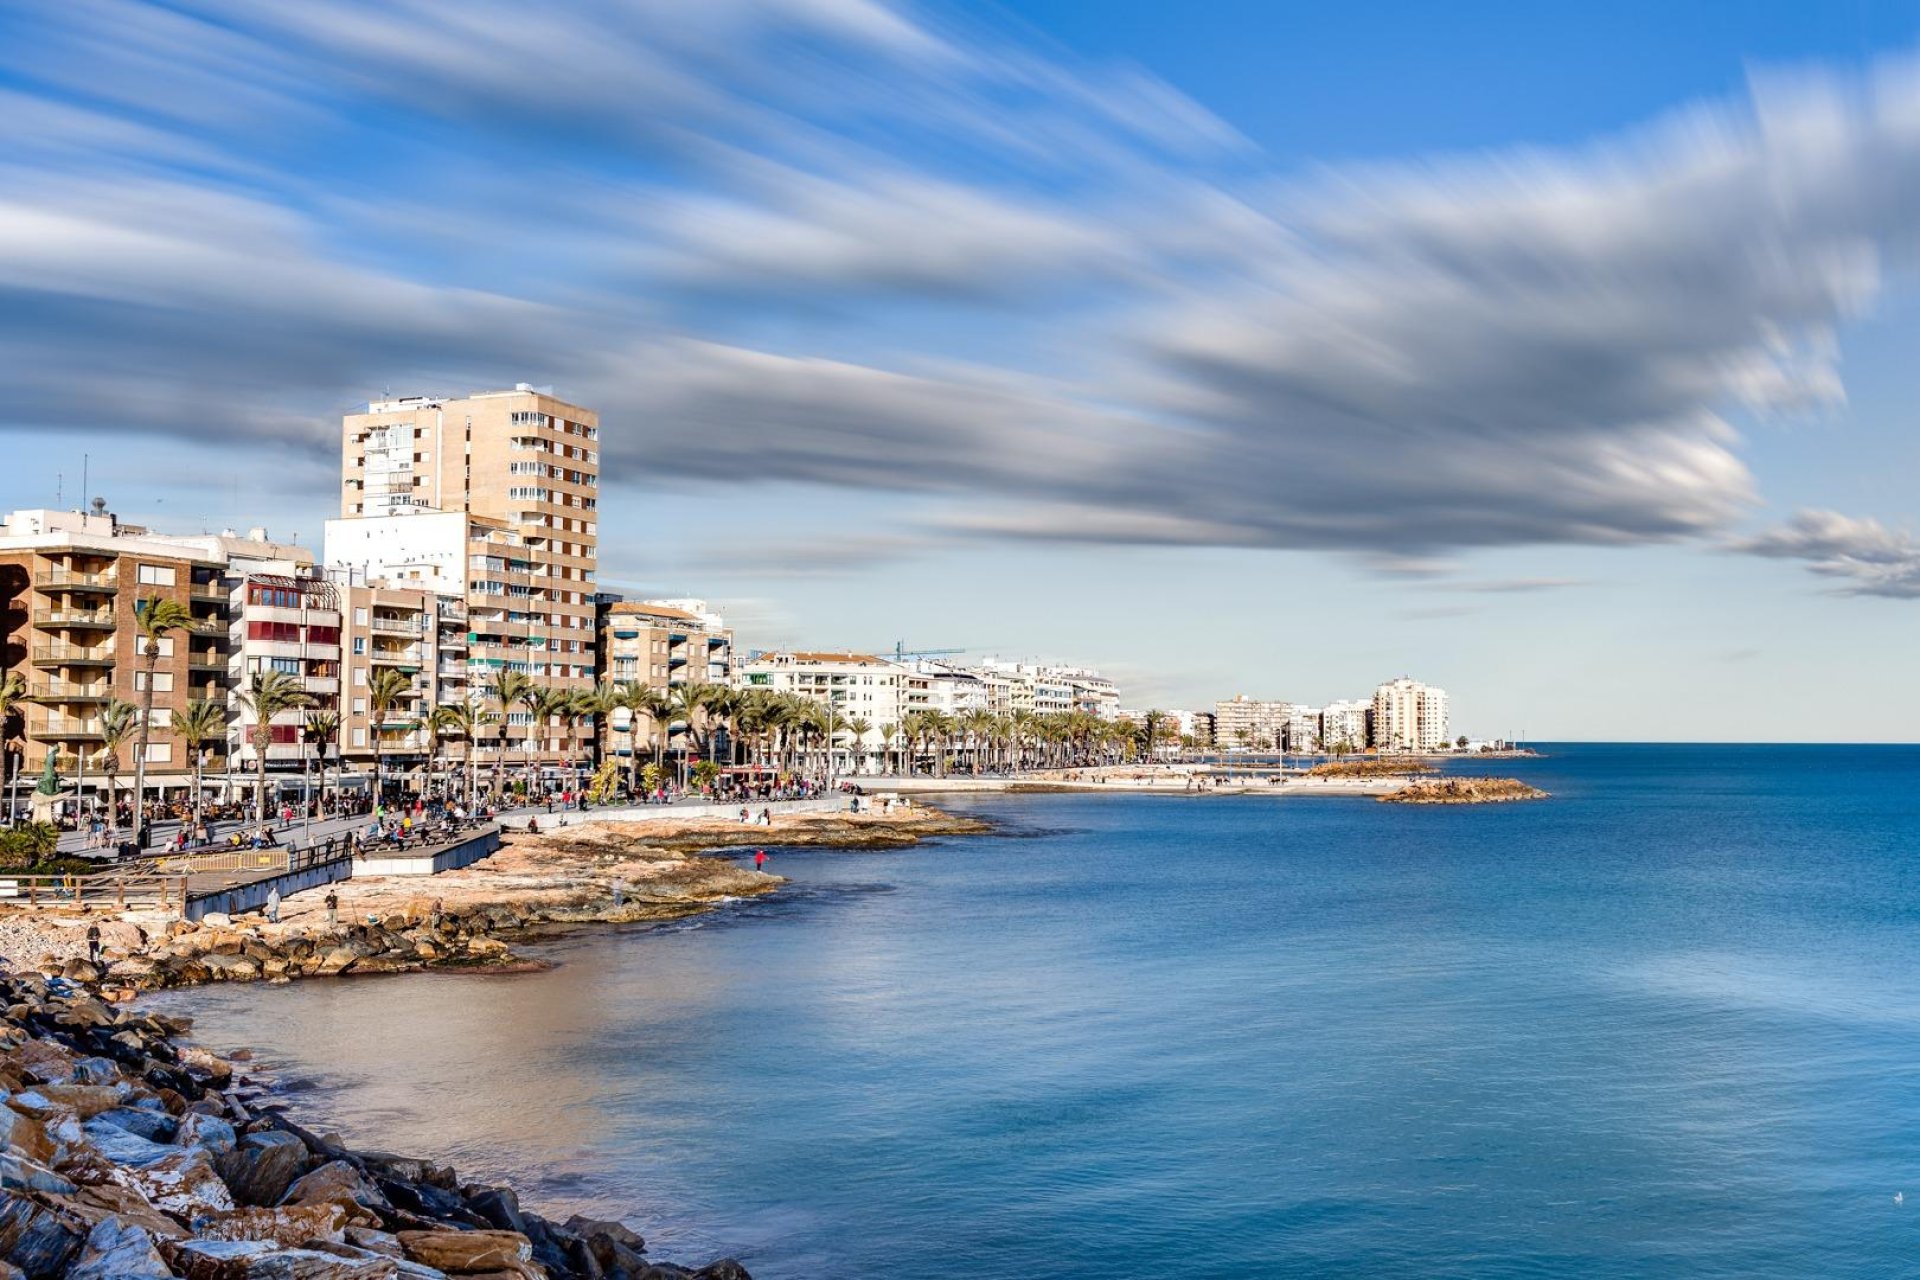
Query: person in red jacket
x,y
759,859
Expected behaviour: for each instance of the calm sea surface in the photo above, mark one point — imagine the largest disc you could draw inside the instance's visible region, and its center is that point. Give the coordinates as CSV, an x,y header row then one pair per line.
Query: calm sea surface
x,y
1665,1024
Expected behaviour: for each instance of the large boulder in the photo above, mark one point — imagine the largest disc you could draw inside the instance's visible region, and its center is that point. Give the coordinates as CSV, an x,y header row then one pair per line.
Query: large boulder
x,y
288,1226
154,1126
119,1250
121,1147
259,1260
122,935
198,1129
84,1100
338,1182
469,1252
500,1207
27,1136
17,1173
185,1184
263,1166
37,1238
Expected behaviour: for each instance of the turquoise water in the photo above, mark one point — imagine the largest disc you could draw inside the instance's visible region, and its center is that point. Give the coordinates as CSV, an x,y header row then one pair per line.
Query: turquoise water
x,y
1667,1023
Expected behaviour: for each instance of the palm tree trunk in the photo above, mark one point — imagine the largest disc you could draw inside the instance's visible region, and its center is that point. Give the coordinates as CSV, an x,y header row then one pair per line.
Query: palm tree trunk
x,y
146,726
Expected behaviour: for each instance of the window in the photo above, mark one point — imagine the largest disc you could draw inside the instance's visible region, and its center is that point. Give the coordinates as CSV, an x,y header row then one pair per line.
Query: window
x,y
360,676
359,737
156,575
159,752
359,617
166,647
161,718
359,644
359,706
162,681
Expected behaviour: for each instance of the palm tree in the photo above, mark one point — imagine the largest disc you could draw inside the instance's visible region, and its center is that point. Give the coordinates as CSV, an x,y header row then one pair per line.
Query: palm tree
x,y
886,746
119,722
462,720
13,692
198,724
506,689
545,704
979,725
858,727
268,694
387,691
640,701
321,728
442,723
1154,719
157,617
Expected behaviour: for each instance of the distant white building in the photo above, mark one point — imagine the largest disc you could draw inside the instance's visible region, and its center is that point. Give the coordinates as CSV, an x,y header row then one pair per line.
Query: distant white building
x,y
1409,716
1343,725
1302,729
1249,722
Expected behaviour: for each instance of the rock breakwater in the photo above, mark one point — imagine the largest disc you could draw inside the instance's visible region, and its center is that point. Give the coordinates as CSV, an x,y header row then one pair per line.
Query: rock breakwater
x,y
1464,791
129,1155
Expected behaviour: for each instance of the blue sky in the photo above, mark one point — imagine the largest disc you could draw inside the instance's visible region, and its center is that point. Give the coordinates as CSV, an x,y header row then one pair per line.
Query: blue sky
x,y
1559,355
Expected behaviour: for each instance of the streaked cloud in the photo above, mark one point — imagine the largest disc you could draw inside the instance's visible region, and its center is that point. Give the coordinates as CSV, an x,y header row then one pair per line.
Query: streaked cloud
x,y
851,243
1862,556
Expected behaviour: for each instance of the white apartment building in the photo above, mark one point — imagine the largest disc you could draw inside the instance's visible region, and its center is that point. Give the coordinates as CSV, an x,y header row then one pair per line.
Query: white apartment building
x,y
1409,716
1249,722
1343,725
857,686
1302,729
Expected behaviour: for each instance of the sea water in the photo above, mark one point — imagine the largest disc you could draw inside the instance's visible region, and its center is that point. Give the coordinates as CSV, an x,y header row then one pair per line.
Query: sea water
x,y
1666,1023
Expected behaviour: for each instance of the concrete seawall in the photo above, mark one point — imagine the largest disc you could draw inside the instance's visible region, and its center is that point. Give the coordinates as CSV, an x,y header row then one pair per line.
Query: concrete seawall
x,y
451,858
653,812
253,896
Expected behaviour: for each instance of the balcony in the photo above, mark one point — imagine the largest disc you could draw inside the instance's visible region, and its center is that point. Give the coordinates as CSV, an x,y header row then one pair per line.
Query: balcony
x,y
209,660
62,729
211,591
72,655
395,658
74,580
68,691
209,626
396,626
55,619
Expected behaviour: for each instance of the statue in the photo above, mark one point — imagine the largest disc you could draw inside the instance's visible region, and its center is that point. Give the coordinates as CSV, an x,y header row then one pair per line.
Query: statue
x,y
46,796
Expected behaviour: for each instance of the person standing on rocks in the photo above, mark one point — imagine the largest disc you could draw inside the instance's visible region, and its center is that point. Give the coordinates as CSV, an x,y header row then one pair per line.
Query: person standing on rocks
x,y
273,906
93,943
619,893
333,908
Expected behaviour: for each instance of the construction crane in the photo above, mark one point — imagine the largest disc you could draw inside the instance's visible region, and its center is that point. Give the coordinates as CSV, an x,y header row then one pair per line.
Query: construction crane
x,y
901,653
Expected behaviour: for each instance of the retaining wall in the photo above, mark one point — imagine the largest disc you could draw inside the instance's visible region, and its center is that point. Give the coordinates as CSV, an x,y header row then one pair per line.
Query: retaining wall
x,y
649,812
253,896
451,858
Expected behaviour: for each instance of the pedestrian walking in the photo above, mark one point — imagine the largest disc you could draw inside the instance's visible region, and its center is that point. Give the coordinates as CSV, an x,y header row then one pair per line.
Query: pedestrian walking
x,y
273,906
333,908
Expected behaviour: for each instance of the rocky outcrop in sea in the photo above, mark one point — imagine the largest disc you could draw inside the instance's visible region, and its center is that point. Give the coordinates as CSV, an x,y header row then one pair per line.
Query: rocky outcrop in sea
x,y
130,1155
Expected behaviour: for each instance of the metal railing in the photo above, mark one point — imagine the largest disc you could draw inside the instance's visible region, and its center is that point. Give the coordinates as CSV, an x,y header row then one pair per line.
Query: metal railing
x,y
57,691
74,578
73,618
100,656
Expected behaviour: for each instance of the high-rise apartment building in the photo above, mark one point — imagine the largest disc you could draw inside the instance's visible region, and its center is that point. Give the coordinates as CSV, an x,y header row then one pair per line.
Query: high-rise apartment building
x,y
70,586
1409,716
493,498
1249,722
1343,725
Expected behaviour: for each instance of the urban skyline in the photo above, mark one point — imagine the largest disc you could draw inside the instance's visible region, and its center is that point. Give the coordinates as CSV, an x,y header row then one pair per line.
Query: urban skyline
x,y
985,305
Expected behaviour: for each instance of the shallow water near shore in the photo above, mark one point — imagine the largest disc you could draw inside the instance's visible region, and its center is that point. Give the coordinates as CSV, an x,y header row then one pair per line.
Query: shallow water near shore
x,y
1666,1023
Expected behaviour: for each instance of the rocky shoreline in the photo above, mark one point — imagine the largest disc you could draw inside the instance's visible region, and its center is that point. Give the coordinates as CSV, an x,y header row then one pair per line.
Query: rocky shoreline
x,y
132,1156
1465,791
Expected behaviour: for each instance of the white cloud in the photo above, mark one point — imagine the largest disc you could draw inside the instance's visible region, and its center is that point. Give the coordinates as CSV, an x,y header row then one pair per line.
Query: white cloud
x,y
1863,556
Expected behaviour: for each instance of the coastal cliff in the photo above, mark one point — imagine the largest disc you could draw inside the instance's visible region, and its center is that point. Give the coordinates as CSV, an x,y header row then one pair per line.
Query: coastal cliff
x,y
1464,791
